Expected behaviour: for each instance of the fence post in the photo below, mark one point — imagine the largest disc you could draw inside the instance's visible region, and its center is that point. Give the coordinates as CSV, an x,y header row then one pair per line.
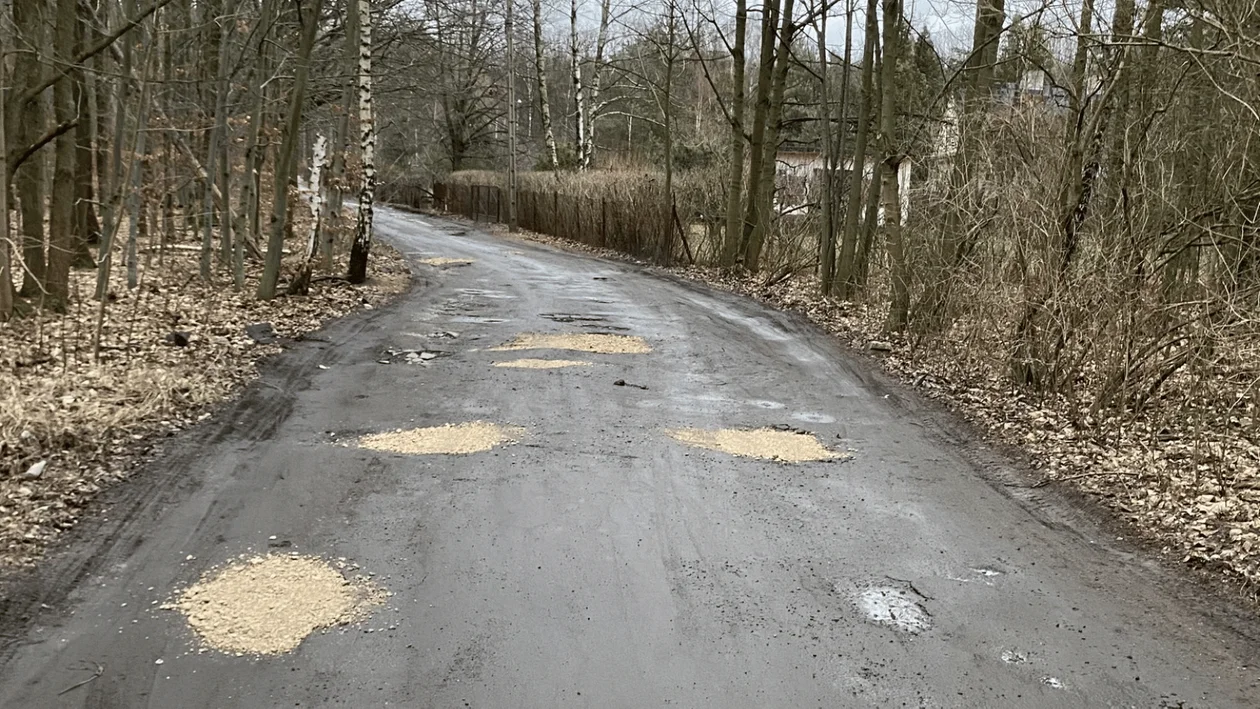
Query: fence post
x,y
577,219
555,212
603,221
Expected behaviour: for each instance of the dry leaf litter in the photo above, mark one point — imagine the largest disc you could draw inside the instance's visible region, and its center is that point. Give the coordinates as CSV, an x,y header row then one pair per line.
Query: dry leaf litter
x,y
453,439
763,443
267,605
542,363
73,423
1184,475
596,343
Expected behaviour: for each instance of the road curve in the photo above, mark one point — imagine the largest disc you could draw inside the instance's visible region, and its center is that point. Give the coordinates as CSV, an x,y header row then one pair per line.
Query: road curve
x,y
598,563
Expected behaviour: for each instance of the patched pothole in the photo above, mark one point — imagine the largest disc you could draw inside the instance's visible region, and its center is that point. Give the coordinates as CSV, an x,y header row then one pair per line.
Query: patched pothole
x,y
450,439
600,343
267,605
898,608
441,261
542,363
763,443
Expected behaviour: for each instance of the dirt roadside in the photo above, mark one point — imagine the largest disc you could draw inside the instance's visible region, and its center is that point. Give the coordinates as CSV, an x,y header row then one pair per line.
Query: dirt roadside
x,y
78,417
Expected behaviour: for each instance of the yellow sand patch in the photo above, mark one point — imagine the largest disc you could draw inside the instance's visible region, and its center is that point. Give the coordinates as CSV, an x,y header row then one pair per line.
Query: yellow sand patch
x,y
597,343
267,605
472,437
542,363
765,443
443,261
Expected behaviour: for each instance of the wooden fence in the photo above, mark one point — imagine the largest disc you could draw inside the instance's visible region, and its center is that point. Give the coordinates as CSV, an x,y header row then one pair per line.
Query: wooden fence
x,y
645,227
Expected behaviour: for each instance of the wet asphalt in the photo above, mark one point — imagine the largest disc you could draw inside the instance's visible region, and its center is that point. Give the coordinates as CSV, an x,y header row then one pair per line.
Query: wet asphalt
x,y
598,563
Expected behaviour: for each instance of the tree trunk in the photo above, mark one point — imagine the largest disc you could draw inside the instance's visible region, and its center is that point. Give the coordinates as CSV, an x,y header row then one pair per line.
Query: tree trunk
x,y
367,143
770,147
255,150
735,179
757,144
212,163
87,227
6,264
853,209
593,108
826,232
27,122
335,181
540,67
579,105
287,159
61,209
899,306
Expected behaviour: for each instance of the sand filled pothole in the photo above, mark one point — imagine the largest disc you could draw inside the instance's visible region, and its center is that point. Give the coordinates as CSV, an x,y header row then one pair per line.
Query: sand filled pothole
x,y
596,343
267,605
444,261
452,439
764,443
542,363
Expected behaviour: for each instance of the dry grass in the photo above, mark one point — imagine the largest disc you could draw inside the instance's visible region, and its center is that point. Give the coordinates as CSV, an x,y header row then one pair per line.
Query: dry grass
x,y
267,605
450,439
597,343
763,443
542,363
87,416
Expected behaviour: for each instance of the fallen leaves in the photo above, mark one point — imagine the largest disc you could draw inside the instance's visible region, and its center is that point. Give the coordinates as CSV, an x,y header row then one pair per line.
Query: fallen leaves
x,y
87,417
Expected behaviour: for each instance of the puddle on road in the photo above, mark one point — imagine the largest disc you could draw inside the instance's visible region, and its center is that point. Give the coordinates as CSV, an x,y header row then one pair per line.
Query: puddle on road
x,y
596,343
812,417
441,261
898,608
542,363
1014,657
449,439
267,605
477,319
763,443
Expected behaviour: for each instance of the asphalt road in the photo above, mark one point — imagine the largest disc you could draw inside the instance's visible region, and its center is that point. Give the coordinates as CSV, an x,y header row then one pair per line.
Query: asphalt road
x,y
599,563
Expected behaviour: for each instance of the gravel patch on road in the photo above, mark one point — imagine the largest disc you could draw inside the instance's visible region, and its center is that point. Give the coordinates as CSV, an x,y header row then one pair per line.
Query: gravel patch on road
x,y
454,439
596,343
267,605
443,261
542,363
764,443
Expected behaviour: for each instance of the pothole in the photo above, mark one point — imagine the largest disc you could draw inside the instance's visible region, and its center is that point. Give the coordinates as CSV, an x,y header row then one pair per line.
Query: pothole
x,y
451,439
266,605
422,357
764,443
596,343
542,363
572,317
444,261
898,608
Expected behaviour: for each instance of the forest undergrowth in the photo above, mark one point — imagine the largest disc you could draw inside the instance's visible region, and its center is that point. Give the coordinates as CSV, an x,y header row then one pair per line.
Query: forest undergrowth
x,y
78,416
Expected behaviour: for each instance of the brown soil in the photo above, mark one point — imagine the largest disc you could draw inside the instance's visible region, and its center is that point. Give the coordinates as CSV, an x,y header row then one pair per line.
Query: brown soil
x,y
453,439
764,443
542,363
268,605
596,343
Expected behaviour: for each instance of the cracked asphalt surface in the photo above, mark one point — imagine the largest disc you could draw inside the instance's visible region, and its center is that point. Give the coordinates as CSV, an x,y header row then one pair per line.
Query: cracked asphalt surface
x,y
598,563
